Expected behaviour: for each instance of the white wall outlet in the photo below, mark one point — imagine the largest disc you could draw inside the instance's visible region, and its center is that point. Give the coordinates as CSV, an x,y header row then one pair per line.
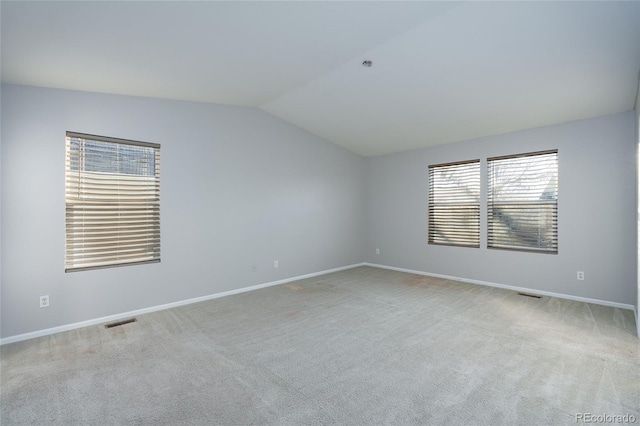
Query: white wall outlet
x,y
254,268
377,251
581,275
44,301
275,263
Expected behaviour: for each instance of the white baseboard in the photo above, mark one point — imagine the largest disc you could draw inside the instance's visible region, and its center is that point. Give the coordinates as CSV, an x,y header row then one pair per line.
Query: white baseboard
x,y
67,327
510,287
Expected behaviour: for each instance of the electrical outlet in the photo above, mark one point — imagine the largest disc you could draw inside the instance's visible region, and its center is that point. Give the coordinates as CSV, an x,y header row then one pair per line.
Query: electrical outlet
x,y
275,263
254,268
581,275
377,251
44,301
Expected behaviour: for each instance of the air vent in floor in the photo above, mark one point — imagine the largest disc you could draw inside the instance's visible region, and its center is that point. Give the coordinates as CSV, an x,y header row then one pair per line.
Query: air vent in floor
x,y
535,296
119,323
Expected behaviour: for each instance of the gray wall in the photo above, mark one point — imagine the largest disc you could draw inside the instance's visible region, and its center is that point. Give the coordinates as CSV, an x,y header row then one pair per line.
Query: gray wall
x,y
637,113
238,187
597,225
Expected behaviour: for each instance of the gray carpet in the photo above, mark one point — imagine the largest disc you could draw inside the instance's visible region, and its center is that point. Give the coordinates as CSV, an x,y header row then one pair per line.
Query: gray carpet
x,y
358,347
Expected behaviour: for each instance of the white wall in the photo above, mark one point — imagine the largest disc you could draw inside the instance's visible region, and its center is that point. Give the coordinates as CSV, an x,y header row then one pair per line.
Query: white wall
x,y
597,227
238,187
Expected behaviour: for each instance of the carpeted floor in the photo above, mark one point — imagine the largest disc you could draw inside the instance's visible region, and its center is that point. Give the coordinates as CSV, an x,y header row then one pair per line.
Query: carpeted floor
x,y
359,347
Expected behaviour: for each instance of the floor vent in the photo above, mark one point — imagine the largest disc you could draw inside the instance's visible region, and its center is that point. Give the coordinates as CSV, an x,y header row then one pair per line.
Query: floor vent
x,y
535,296
119,323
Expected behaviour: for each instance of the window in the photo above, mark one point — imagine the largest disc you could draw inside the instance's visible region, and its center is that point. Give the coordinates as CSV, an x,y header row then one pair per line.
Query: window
x,y
523,202
112,202
454,204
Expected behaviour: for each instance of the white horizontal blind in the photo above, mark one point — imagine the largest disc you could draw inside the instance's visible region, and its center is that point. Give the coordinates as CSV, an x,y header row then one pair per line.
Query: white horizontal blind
x,y
112,202
523,202
454,204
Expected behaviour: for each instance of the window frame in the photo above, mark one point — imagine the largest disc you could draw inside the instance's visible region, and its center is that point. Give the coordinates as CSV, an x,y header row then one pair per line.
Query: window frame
x,y
491,205
433,205
111,216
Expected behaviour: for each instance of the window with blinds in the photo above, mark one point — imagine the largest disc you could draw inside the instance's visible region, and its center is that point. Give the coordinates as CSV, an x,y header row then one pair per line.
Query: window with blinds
x,y
523,202
112,202
454,204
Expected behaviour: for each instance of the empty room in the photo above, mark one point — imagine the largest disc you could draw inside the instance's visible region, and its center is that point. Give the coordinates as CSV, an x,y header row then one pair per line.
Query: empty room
x,y
319,212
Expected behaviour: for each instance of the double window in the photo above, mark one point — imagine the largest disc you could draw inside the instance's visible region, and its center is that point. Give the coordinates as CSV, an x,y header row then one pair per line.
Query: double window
x,y
112,202
522,203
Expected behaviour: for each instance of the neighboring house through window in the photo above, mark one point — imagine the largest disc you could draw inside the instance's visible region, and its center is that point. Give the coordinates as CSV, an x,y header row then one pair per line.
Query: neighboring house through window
x,y
112,202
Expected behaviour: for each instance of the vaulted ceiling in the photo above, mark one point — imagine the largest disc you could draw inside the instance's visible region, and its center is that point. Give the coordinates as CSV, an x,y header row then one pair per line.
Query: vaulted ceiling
x,y
441,71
